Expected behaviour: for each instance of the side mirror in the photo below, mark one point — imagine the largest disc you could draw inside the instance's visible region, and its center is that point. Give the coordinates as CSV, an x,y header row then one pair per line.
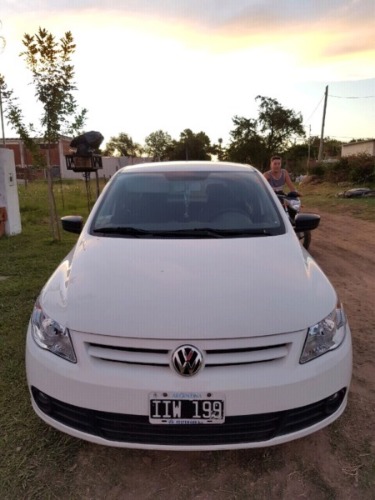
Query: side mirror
x,y
306,222
72,223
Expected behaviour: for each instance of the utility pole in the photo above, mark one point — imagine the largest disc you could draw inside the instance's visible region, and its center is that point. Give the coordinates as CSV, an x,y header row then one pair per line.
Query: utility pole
x,y
309,150
323,122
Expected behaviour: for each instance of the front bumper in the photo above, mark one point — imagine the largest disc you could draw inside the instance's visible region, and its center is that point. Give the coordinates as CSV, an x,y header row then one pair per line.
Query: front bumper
x,y
267,402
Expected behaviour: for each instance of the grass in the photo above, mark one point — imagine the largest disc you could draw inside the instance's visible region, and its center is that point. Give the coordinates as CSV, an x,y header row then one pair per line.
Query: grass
x,y
324,196
36,461
27,447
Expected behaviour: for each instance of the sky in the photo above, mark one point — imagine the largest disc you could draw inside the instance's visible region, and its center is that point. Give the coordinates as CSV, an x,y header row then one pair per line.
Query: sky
x,y
146,65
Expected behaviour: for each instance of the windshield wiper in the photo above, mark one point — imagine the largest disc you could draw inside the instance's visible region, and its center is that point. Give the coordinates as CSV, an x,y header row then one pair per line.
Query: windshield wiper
x,y
209,232
205,232
247,232
126,230
197,232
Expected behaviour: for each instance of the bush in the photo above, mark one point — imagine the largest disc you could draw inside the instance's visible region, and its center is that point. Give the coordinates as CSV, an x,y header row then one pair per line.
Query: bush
x,y
356,169
338,171
362,169
318,170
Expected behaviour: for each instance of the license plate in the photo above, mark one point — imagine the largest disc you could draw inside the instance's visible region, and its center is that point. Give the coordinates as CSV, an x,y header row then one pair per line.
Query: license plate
x,y
186,408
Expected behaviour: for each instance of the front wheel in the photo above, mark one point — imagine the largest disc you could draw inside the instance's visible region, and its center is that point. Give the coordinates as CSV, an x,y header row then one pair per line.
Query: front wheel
x,y
305,238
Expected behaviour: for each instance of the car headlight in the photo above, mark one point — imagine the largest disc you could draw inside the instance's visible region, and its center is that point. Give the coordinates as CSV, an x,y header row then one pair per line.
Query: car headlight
x,y
325,336
50,335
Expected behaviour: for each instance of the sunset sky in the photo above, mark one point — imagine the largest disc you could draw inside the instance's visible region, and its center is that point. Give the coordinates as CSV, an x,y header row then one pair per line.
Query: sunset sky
x,y
144,65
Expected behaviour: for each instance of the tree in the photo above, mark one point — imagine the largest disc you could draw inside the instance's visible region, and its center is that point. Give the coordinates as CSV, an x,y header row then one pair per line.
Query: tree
x,y
15,118
278,125
246,145
254,140
158,145
296,158
219,150
191,146
52,74
122,145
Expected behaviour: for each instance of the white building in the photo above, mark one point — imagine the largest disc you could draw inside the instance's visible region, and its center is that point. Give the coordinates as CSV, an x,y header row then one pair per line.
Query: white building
x,y
360,147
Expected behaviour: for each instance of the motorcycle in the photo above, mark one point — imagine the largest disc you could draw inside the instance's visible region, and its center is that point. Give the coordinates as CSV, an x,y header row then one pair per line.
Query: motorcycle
x,y
292,206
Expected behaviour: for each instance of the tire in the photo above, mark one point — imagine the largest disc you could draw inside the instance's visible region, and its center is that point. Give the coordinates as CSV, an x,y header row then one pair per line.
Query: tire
x,y
306,239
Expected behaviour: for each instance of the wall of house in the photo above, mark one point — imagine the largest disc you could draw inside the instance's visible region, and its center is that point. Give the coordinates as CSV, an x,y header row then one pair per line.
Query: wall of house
x,y
18,150
23,157
57,153
355,148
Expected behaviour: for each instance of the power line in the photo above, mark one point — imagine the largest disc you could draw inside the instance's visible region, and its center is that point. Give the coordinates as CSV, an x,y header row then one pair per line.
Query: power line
x,y
347,137
353,97
319,103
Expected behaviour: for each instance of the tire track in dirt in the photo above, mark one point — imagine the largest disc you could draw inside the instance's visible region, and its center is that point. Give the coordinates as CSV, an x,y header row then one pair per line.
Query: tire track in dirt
x,y
344,248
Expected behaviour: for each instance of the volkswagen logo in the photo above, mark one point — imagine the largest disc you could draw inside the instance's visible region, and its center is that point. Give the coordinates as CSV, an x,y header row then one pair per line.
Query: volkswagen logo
x,y
187,360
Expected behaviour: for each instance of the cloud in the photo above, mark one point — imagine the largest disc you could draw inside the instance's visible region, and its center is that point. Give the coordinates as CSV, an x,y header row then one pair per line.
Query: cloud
x,y
134,56
212,14
308,34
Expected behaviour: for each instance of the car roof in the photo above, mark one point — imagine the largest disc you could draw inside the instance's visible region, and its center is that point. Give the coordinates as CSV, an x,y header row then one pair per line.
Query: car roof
x,y
189,166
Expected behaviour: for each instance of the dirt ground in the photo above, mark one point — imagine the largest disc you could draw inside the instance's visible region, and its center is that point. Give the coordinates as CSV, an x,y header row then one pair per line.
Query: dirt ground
x,y
337,462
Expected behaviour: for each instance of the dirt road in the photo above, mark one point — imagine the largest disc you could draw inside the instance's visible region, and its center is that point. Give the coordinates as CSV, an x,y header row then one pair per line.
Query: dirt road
x,y
337,462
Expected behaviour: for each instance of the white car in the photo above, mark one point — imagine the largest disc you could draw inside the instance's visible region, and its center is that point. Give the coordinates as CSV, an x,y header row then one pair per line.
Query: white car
x,y
188,317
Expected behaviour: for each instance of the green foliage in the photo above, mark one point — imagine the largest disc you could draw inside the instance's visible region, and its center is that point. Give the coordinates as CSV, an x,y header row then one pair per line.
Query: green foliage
x,y
331,147
15,117
246,145
218,150
361,168
335,172
31,452
277,125
52,76
357,169
122,145
255,140
319,170
296,159
158,145
52,73
191,146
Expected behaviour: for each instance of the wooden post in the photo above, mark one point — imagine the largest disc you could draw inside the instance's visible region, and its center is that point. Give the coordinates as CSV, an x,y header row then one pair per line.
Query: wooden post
x,y
320,155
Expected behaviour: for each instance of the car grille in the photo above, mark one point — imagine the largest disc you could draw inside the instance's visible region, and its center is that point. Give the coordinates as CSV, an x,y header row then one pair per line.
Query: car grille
x,y
137,429
226,356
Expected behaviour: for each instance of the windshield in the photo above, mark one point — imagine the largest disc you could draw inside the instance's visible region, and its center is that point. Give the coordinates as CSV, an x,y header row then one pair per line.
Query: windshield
x,y
187,204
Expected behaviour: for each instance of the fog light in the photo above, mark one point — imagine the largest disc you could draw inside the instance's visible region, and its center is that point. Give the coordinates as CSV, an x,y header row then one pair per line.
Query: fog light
x,y
43,401
333,402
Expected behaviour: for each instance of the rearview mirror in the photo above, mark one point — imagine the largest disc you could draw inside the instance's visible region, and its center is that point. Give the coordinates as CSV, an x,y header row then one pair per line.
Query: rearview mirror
x,y
72,223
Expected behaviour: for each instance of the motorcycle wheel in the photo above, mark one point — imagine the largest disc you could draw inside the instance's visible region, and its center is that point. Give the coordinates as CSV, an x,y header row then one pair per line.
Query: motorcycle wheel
x,y
306,239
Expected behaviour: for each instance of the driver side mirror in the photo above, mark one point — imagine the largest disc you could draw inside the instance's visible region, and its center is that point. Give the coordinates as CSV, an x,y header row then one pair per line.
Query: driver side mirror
x,y
306,222
72,223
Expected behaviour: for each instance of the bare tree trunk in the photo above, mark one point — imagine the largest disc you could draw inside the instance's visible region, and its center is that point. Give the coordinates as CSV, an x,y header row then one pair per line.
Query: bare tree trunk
x,y
54,221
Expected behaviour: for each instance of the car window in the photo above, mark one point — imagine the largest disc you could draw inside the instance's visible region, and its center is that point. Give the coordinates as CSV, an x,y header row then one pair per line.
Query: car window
x,y
183,201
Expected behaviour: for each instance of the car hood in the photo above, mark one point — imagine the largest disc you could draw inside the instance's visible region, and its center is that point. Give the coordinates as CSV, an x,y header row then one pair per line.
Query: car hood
x,y
188,288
